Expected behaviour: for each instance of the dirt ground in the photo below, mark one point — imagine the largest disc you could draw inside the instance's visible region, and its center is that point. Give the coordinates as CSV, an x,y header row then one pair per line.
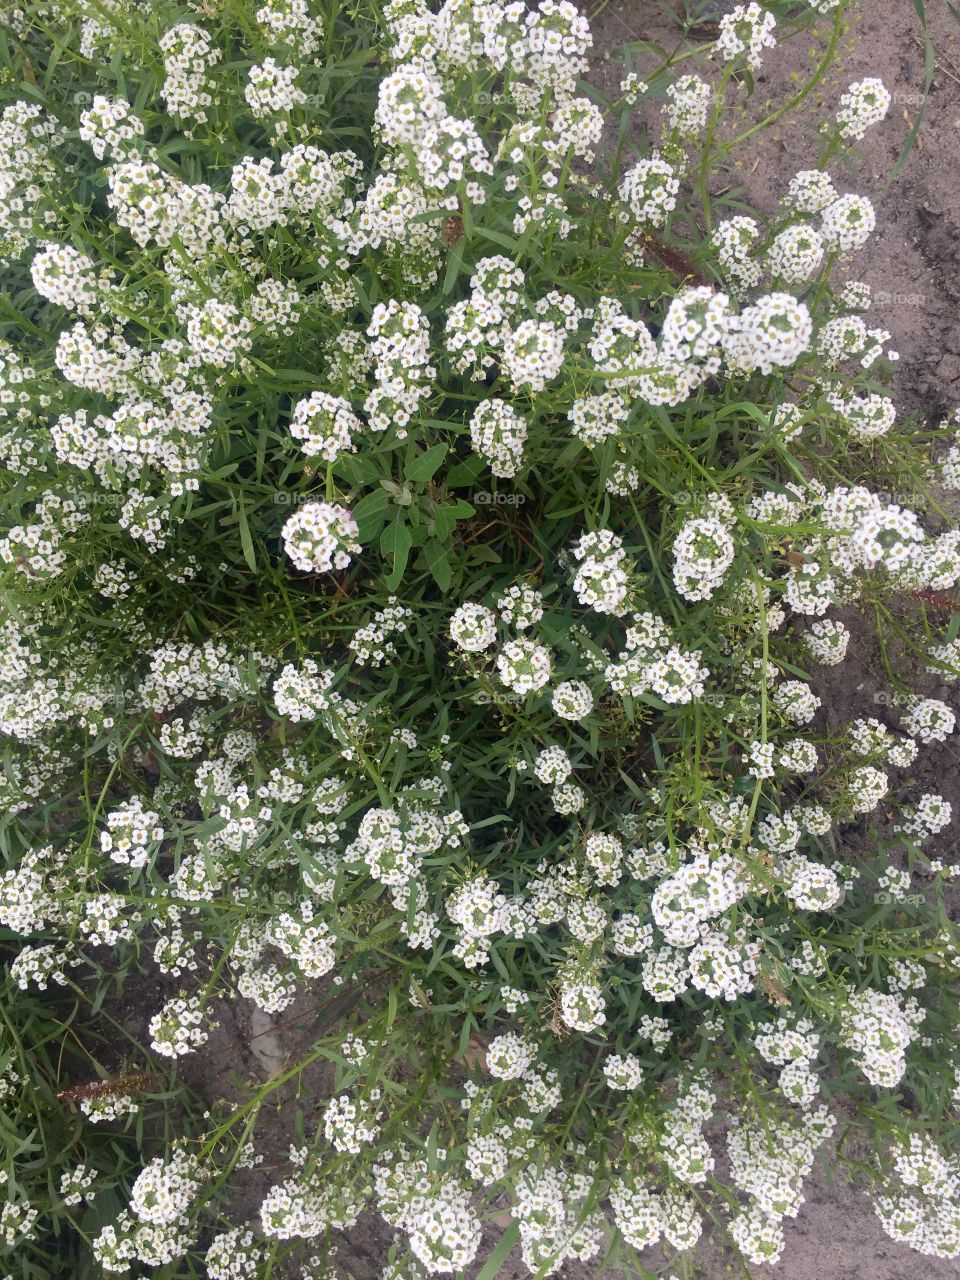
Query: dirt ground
x,y
913,264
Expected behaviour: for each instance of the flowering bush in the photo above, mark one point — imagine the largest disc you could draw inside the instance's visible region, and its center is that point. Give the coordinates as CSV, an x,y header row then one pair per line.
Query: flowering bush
x,y
425,532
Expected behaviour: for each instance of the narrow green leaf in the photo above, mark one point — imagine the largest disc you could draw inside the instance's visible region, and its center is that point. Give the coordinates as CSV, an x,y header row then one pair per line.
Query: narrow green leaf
x,y
496,1260
246,542
453,266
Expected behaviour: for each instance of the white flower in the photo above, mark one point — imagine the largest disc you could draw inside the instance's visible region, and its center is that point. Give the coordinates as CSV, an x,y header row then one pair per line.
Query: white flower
x,y
602,576
774,331
863,105
747,29
650,190
572,700
325,425
582,1006
498,433
510,1056
524,666
473,628
795,254
847,223
703,551
321,536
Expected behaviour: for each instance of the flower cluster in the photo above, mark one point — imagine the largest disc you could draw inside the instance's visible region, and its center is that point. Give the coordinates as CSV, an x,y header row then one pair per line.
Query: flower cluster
x,y
321,537
428,570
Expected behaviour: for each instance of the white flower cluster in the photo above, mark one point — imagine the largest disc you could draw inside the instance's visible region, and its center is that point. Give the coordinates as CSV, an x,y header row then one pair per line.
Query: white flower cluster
x,y
732,240
437,1216
572,700
827,641
181,1026
847,223
498,433
703,551
699,890
132,835
533,354
164,1189
321,537
473,628
554,1225
290,22
65,276
747,30
402,370
650,191
109,124
652,661
582,1006
325,425
879,1029
770,1168
479,910
929,720
272,89
920,1201
928,817
774,331
372,645
300,691
510,1056
520,606
862,106
602,579
795,254
188,56
349,1126
687,106
524,666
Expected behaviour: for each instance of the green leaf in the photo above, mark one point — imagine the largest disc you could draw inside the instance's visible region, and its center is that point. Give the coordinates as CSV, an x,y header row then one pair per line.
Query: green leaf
x,y
356,470
466,473
246,542
453,265
438,564
444,521
370,513
496,237
431,215
395,541
370,506
424,467
496,1260
482,554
